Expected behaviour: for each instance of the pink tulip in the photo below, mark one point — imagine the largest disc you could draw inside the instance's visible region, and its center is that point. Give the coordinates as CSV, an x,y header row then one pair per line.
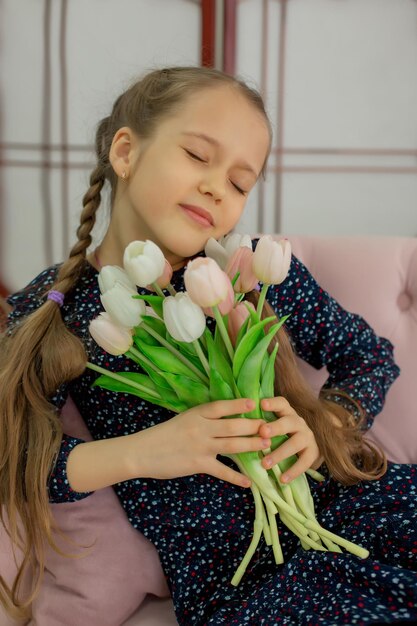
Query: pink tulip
x,y
208,286
165,278
112,338
271,260
241,261
236,319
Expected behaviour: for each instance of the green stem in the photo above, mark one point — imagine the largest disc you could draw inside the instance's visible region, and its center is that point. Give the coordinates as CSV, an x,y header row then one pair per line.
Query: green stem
x,y
121,379
261,300
175,352
158,290
315,475
276,545
258,526
223,331
139,357
201,356
362,553
171,289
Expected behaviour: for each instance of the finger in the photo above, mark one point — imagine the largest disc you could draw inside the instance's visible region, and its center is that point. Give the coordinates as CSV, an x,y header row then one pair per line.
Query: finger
x,y
292,446
237,427
300,466
279,405
222,471
225,408
234,445
284,426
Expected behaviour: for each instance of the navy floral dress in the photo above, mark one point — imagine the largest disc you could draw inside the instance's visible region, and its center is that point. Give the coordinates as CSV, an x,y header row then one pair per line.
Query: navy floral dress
x,y
201,526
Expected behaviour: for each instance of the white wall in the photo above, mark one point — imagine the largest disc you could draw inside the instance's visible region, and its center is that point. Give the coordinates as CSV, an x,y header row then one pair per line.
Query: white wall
x,y
350,83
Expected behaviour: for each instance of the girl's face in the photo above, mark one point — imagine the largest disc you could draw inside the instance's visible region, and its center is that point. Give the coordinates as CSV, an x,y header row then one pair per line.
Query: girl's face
x,y
191,179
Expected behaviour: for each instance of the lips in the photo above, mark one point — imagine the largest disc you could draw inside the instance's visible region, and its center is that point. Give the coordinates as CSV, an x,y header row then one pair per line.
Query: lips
x,y
199,214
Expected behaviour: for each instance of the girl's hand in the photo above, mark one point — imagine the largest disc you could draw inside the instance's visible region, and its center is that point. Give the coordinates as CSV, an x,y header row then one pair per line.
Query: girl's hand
x,y
190,442
301,441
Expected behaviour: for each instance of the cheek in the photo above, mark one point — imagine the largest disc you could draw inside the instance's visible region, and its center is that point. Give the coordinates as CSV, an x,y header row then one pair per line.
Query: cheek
x,y
234,214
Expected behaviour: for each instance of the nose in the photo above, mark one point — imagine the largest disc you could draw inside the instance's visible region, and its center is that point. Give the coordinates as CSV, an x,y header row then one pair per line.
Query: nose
x,y
213,184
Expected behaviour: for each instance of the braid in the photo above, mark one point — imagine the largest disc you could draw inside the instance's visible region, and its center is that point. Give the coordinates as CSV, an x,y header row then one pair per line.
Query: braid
x,y
71,270
40,355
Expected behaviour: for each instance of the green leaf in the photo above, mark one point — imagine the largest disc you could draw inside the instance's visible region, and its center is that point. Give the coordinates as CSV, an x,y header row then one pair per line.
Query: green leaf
x,y
154,301
169,400
242,330
219,389
248,343
278,440
250,340
166,361
156,377
268,375
188,350
250,371
156,324
220,362
189,391
253,315
219,343
142,336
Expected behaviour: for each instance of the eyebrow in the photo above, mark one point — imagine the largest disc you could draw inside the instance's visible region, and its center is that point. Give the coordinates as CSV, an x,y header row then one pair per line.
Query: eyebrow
x,y
242,165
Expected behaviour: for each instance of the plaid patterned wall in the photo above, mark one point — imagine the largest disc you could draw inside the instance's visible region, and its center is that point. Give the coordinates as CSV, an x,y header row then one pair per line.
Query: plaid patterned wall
x,y
339,78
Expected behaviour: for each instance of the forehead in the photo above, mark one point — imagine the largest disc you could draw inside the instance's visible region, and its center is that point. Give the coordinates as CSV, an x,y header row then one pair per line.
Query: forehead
x,y
226,115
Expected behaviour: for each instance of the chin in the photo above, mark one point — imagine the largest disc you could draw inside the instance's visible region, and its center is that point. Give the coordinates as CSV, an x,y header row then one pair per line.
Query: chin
x,y
188,247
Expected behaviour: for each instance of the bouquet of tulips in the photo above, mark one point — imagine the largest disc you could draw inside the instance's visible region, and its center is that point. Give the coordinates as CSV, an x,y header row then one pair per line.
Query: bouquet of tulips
x,y
181,363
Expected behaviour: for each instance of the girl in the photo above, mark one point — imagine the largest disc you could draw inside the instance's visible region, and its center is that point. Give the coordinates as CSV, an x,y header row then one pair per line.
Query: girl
x,y
181,150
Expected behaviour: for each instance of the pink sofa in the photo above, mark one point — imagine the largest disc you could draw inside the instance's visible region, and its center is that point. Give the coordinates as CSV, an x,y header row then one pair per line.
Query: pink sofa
x,y
373,276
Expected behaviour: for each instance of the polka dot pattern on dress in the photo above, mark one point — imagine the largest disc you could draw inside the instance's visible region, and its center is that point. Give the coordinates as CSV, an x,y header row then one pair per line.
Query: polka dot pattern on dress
x,y
202,526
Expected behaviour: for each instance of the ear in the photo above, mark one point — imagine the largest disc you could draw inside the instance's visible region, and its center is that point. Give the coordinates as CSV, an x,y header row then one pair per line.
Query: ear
x,y
123,151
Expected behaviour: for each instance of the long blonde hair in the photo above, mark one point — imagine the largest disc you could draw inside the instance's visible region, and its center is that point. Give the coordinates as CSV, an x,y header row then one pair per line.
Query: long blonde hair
x,y
41,353
348,456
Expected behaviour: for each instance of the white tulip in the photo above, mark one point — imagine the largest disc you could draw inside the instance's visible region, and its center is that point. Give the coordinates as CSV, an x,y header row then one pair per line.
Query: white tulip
x,y
122,308
109,336
271,260
185,320
222,250
234,241
110,275
144,262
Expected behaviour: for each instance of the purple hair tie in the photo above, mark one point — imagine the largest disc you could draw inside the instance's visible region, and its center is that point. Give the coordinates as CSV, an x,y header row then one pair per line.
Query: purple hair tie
x,y
56,296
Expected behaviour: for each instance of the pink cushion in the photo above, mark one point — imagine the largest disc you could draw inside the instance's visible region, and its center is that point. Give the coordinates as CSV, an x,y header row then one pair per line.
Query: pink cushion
x,y
377,278
373,276
108,584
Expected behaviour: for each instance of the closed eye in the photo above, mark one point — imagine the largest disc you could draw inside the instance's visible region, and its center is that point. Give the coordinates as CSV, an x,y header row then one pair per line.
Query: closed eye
x,y
194,156
239,189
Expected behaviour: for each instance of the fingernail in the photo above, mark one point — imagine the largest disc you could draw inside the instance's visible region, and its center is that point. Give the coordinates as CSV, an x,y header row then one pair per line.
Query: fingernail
x,y
246,482
267,430
250,404
265,404
266,443
285,478
268,462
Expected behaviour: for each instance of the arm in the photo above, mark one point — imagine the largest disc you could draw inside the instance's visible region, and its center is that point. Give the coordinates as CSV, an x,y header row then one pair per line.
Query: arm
x,y
186,444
